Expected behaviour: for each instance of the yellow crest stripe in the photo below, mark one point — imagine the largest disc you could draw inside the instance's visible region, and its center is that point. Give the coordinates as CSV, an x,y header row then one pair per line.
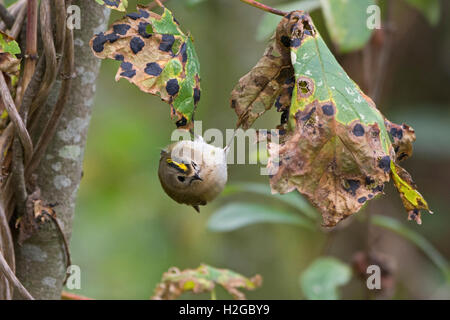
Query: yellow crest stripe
x,y
177,165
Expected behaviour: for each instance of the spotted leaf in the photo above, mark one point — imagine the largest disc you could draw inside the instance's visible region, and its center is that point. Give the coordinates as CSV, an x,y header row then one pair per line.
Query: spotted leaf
x,y
119,5
411,198
9,63
157,57
336,147
203,279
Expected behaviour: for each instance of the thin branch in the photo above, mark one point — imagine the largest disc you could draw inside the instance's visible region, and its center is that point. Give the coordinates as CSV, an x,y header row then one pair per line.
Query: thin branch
x,y
18,24
7,17
9,274
7,246
264,7
72,296
50,128
51,63
19,125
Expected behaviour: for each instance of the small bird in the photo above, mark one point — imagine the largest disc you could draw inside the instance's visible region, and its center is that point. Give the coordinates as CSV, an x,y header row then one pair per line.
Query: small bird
x,y
193,172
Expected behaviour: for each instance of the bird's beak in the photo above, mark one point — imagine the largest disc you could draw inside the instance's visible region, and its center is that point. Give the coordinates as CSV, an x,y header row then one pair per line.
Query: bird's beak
x,y
197,177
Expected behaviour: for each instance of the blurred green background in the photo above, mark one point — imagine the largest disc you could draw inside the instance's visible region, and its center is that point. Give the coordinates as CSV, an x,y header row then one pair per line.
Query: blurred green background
x,y
127,231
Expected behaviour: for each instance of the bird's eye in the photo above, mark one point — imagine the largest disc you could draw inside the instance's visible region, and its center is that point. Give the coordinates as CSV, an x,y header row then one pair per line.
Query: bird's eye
x,y
181,178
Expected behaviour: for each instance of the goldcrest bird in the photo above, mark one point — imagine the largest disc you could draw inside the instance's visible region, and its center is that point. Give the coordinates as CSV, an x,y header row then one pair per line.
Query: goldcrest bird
x,y
193,172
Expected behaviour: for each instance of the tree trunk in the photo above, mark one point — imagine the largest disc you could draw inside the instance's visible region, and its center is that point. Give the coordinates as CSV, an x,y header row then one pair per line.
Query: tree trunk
x,y
41,262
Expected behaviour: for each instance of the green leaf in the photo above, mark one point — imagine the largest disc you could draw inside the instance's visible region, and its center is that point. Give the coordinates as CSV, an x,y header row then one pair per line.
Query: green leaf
x,y
8,44
346,21
203,279
269,21
293,199
237,215
119,5
320,281
415,238
431,9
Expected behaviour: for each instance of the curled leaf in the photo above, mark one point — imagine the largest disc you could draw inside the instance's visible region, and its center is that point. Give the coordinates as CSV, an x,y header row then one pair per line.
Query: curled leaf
x,y
119,5
157,57
203,279
256,92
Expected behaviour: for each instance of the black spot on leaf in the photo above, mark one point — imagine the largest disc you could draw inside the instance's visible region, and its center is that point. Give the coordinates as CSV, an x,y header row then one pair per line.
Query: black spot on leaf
x,y
112,37
385,163
295,42
153,69
99,41
112,3
278,105
166,42
358,130
378,188
352,186
172,87
285,116
121,28
362,199
182,122
396,133
136,44
183,53
142,29
196,95
328,109
126,66
128,73
369,181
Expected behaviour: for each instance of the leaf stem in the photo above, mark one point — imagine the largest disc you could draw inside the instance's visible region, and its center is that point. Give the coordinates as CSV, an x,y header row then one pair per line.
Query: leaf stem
x,y
264,7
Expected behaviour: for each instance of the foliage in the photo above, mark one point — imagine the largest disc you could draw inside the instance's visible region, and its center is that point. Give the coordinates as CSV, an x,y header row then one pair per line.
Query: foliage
x,y
237,215
345,20
157,57
346,23
322,278
335,145
203,279
119,5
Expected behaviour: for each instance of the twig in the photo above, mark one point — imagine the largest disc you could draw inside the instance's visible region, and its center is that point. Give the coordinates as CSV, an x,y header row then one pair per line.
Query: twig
x,y
7,246
6,16
50,128
264,7
9,274
72,296
18,24
31,50
19,125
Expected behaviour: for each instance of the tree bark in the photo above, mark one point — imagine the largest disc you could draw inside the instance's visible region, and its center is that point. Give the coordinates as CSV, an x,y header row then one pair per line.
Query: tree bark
x,y
41,262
